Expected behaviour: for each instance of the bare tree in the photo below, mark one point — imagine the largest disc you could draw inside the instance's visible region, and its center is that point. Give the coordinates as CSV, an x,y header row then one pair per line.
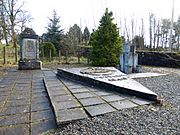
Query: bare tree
x,y
4,28
154,32
151,15
142,28
158,33
132,27
165,31
23,18
177,33
12,10
126,29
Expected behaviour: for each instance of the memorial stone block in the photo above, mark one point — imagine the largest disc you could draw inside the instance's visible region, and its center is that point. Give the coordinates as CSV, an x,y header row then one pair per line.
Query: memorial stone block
x,y
29,51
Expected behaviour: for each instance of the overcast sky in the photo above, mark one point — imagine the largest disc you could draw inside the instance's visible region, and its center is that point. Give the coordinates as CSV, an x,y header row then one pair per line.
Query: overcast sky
x,y
88,12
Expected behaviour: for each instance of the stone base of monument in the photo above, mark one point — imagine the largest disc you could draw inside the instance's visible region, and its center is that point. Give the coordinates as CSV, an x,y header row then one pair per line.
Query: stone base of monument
x,y
108,78
29,65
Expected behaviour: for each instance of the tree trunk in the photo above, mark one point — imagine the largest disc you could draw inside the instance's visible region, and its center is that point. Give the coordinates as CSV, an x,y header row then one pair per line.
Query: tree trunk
x,y
154,41
4,55
158,40
78,57
59,53
166,41
162,41
150,32
178,46
154,33
43,53
16,51
14,38
66,58
49,55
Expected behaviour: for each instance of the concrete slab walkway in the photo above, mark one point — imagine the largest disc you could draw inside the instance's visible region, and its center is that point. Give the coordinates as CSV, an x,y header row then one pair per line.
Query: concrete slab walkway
x,y
24,105
73,101
34,101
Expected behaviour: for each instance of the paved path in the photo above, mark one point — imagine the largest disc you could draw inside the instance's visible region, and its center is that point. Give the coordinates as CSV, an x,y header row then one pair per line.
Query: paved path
x,y
24,105
25,108
74,101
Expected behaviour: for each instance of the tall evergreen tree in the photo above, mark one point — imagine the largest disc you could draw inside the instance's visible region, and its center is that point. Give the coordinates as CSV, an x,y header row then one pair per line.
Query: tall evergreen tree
x,y
54,32
86,35
106,42
75,36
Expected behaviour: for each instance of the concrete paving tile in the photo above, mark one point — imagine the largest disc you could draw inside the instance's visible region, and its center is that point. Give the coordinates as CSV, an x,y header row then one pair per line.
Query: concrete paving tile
x,y
103,93
79,90
40,94
56,88
91,101
140,101
112,98
39,127
93,89
1,104
84,95
17,103
42,115
3,98
22,85
75,86
40,106
22,88
15,130
6,88
4,93
66,105
21,93
22,81
67,82
99,109
7,82
38,87
68,115
38,90
52,92
54,84
14,119
60,98
27,93
11,99
19,97
123,104
34,81
39,100
14,110
37,84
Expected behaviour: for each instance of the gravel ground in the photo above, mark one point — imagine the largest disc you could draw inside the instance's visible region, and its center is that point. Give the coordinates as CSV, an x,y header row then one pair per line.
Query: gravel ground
x,y
142,120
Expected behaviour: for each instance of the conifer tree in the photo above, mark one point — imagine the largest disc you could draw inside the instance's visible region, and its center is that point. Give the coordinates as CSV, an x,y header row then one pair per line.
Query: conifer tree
x,y
54,32
106,42
86,35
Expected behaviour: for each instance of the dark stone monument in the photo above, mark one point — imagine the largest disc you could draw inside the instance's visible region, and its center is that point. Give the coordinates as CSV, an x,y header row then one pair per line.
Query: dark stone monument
x,y
29,50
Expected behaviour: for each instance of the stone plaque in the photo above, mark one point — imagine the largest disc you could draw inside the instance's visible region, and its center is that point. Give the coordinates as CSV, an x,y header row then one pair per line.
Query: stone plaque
x,y
29,49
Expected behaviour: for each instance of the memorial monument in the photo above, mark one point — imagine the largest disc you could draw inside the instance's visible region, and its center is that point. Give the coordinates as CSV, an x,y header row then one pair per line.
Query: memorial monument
x,y
29,50
129,59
